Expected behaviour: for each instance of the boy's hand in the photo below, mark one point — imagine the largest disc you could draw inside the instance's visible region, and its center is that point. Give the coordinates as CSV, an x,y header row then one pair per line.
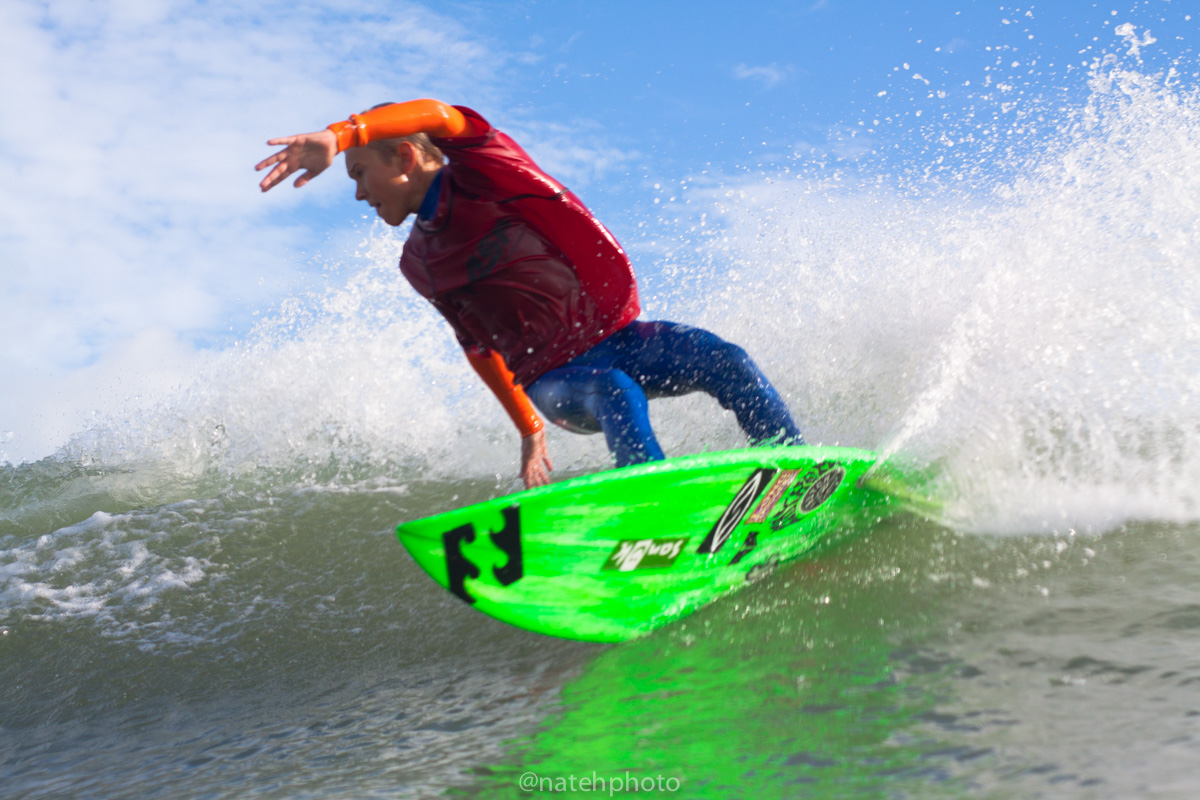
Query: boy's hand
x,y
312,152
535,463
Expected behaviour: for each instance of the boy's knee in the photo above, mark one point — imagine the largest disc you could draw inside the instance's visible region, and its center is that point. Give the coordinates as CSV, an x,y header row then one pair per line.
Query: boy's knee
x,y
712,347
733,361
617,383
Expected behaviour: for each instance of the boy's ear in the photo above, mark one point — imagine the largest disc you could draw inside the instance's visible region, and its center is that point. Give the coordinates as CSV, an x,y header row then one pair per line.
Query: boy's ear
x,y
408,157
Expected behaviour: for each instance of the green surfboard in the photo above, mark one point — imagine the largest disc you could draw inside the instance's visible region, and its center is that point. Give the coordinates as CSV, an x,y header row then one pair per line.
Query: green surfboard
x,y
613,555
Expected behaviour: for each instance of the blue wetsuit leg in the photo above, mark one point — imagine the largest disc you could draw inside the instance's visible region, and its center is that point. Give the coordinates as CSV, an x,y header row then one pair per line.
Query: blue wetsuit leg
x,y
606,388
591,400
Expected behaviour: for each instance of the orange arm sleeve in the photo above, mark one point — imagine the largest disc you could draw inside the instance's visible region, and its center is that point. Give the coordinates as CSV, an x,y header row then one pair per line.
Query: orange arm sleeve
x,y
401,119
490,366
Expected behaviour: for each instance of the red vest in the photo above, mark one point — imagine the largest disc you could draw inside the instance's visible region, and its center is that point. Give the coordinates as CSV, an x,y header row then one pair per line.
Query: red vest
x,y
514,261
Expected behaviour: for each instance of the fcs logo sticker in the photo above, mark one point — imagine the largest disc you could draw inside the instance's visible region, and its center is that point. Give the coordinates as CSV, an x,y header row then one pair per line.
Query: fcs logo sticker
x,y
632,554
729,520
806,494
820,491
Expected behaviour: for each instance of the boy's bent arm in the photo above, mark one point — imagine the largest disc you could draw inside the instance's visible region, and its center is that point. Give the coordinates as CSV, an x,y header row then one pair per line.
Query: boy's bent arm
x,y
535,463
433,117
314,152
491,367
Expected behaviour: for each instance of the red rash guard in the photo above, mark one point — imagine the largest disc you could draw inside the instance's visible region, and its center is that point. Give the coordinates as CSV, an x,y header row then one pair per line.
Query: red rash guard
x,y
514,261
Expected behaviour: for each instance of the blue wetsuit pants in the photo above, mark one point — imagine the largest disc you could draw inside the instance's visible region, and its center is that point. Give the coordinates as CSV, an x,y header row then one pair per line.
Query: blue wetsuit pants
x,y
606,388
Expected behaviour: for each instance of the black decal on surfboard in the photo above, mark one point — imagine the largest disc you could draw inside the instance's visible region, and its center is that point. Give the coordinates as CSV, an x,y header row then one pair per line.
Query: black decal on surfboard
x,y
751,543
820,491
509,540
737,509
458,568
807,493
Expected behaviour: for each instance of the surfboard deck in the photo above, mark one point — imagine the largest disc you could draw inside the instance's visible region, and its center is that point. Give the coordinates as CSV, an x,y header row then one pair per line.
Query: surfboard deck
x,y
613,555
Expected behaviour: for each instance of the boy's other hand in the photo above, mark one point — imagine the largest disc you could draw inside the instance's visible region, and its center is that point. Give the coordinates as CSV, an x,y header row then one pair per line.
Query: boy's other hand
x,y
535,463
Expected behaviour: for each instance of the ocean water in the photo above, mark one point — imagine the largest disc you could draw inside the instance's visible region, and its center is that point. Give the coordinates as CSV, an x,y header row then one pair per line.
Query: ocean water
x,y
204,598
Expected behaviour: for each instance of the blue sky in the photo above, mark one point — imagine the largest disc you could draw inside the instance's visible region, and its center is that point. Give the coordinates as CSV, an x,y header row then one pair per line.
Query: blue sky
x,y
133,238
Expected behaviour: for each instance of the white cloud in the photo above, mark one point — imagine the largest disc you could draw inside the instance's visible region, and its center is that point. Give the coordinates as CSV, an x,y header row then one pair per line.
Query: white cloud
x,y
769,75
577,154
128,200
49,408
129,208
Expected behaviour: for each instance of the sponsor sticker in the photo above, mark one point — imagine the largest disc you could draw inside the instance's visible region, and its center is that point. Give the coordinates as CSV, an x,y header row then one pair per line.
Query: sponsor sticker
x,y
782,481
507,540
633,554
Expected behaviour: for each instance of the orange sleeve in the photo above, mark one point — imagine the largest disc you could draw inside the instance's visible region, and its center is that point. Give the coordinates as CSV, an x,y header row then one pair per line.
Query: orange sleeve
x,y
401,119
490,366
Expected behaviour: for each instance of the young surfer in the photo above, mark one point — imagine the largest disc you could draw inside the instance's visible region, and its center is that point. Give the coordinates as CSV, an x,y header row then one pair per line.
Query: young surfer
x,y
541,297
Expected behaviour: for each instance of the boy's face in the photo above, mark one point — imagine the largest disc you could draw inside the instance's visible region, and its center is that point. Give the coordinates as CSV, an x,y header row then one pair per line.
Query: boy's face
x,y
387,184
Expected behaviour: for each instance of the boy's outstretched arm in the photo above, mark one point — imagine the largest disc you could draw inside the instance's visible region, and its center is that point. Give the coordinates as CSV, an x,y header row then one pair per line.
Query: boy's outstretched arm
x,y
314,152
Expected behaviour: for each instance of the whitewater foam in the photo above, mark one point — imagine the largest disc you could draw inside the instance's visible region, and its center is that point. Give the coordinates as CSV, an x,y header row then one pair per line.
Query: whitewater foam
x,y
1032,335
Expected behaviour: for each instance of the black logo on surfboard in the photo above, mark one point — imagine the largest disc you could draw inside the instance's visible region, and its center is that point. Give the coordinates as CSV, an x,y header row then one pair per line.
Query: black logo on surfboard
x,y
507,540
737,509
808,493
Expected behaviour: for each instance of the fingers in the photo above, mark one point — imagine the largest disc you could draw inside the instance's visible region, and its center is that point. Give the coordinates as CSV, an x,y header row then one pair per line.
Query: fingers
x,y
275,157
535,461
286,161
276,176
282,169
312,152
536,478
537,473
